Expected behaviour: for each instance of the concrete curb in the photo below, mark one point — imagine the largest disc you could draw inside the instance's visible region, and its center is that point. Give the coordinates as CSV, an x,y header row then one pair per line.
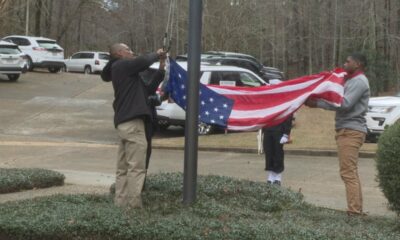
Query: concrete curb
x,y
303,152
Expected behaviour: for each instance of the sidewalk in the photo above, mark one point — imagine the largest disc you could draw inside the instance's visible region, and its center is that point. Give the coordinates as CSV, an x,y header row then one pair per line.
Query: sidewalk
x,y
91,167
302,152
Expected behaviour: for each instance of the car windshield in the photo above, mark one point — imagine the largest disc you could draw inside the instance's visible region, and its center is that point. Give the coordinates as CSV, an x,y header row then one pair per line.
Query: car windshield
x,y
240,79
9,50
104,56
47,44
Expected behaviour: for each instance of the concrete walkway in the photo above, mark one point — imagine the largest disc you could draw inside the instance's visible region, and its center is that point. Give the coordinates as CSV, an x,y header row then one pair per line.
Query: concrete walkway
x,y
93,165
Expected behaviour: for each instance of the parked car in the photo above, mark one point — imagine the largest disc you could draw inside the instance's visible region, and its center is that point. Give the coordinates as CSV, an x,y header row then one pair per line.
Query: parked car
x,y
239,60
169,113
382,112
40,52
12,60
87,62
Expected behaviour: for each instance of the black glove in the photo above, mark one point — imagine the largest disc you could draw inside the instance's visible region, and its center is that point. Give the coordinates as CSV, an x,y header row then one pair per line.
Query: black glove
x,y
154,100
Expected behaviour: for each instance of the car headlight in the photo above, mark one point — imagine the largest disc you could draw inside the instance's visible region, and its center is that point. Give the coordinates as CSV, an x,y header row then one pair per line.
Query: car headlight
x,y
375,109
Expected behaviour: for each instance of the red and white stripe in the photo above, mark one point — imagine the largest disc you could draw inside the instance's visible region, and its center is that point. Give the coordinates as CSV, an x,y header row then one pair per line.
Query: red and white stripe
x,y
264,106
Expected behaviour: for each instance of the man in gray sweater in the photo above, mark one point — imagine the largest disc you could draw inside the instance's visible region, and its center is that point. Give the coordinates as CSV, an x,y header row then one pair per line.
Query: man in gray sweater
x,y
351,128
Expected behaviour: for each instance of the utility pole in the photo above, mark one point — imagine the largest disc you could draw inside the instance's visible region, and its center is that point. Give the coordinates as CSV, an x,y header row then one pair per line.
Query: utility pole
x,y
192,113
27,18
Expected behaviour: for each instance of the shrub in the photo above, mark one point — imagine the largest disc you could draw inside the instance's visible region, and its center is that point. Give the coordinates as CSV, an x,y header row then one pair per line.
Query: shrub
x,y
17,179
225,209
388,164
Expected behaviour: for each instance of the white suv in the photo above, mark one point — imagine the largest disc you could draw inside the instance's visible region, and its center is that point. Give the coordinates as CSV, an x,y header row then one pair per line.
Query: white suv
x,y
169,113
12,60
382,112
87,62
40,52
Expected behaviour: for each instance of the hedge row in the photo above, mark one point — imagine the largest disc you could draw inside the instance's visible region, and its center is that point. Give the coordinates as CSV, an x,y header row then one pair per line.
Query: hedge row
x,y
17,179
225,209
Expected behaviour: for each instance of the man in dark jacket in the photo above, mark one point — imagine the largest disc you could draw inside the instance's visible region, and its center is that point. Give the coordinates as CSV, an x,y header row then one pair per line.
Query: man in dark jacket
x,y
132,119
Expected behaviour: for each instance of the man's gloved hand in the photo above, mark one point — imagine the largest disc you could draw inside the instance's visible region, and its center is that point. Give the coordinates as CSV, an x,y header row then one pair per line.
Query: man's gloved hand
x,y
154,100
161,54
284,139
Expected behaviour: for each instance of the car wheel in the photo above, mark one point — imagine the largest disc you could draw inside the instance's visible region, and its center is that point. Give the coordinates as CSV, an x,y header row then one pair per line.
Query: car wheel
x,y
205,129
54,69
29,64
371,138
163,124
88,70
163,127
13,77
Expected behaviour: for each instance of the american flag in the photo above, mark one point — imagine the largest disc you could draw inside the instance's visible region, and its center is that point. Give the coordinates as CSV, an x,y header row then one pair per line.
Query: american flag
x,y
249,109
214,108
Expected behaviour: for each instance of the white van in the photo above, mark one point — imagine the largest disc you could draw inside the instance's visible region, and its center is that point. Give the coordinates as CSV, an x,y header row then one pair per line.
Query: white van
x,y
87,62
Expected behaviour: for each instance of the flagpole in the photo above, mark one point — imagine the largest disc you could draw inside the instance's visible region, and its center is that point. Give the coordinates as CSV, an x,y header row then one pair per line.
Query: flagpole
x,y
192,112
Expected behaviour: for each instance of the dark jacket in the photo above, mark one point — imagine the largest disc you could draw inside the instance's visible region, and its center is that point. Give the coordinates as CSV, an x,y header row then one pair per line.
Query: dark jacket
x,y
284,127
130,91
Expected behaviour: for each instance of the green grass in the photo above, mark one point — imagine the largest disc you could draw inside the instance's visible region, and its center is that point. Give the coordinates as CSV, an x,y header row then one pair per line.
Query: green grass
x,y
225,209
17,179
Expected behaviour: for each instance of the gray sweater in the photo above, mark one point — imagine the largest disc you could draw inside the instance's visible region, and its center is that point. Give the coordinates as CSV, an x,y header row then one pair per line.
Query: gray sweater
x,y
351,113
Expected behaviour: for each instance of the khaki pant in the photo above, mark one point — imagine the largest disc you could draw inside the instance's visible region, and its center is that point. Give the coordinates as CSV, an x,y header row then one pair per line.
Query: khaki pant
x,y
349,143
131,164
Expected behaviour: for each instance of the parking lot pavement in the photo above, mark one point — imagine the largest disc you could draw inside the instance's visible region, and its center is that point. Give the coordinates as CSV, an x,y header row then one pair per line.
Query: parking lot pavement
x,y
64,122
63,106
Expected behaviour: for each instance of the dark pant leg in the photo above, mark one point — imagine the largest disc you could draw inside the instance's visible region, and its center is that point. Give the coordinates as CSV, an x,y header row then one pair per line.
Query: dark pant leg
x,y
148,153
274,153
268,150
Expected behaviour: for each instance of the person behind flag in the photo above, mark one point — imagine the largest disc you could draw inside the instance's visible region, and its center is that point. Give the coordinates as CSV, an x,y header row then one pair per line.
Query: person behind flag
x,y
133,118
351,128
273,140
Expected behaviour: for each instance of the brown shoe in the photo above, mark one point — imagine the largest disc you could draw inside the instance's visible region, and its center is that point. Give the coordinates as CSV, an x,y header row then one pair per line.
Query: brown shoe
x,y
356,214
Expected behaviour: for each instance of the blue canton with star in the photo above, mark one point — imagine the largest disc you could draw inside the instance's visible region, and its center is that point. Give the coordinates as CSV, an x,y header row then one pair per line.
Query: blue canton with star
x,y
214,108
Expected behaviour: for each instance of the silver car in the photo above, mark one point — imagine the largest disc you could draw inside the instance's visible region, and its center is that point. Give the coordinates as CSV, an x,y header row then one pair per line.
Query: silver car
x,y
12,60
87,62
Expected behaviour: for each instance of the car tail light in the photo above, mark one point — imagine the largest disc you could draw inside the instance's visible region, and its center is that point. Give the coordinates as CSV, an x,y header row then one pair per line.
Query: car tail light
x,y
97,62
39,49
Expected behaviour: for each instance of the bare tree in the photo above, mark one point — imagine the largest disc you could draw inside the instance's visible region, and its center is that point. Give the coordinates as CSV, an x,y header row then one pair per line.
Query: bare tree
x,y
298,36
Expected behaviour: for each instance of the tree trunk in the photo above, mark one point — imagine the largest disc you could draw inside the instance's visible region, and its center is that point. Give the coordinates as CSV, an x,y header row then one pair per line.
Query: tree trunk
x,y
49,17
334,59
310,48
38,17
